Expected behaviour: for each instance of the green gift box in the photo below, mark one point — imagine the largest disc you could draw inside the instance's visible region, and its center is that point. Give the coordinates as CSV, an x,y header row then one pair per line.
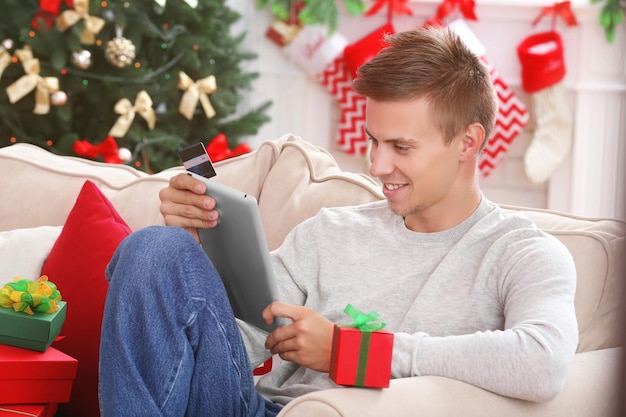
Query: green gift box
x,y
36,332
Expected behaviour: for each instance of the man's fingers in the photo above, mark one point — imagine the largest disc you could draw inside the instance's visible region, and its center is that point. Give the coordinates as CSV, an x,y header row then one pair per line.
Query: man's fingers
x,y
189,205
306,341
185,190
281,309
184,204
195,222
187,182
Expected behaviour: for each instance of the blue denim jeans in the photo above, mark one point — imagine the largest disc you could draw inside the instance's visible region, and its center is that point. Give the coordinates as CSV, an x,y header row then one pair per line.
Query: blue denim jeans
x,y
170,344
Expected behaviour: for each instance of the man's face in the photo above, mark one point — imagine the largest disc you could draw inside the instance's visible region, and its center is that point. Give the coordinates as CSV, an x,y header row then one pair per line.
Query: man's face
x,y
417,170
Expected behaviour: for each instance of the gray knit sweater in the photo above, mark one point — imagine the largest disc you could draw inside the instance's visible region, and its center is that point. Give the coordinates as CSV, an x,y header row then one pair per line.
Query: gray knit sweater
x,y
489,302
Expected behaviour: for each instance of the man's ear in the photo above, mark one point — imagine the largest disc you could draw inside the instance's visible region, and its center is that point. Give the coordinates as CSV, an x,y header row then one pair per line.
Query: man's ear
x,y
474,136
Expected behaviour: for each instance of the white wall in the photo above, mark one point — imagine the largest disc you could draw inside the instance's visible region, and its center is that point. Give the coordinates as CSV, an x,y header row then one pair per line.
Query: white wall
x,y
591,182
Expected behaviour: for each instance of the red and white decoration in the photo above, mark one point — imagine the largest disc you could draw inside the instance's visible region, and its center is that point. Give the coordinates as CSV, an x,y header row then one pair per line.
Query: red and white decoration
x,y
330,60
338,76
351,134
333,63
511,120
512,114
543,69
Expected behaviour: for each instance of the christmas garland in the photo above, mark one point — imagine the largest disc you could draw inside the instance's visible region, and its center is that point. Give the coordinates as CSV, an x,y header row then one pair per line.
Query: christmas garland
x,y
611,15
324,12
312,12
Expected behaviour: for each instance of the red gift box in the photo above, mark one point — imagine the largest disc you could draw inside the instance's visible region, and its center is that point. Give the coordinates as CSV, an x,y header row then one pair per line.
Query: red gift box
x,y
30,377
29,410
361,358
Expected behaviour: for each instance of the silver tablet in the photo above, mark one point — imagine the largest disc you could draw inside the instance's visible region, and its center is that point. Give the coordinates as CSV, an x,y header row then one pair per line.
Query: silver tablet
x,y
236,246
238,250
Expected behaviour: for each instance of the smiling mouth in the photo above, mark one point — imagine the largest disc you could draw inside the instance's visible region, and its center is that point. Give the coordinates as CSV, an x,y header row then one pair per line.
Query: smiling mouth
x,y
393,187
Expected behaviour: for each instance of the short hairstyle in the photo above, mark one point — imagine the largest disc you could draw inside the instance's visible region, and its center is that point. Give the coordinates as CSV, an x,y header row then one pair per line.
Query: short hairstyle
x,y
434,64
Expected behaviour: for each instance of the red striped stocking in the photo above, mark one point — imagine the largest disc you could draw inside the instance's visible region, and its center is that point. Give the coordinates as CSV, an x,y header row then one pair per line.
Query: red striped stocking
x,y
512,113
334,64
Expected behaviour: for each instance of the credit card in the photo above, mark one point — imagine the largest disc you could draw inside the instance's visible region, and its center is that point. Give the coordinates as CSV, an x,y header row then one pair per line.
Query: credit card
x,y
196,159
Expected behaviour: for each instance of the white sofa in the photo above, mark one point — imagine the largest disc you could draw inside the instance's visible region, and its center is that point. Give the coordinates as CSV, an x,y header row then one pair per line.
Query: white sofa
x,y
291,180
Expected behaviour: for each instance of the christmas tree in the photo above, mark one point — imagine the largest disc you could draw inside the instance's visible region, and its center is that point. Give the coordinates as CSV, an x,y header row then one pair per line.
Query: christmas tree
x,y
123,81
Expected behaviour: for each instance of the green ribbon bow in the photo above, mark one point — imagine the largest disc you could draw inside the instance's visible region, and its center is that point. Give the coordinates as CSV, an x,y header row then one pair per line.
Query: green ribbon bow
x,y
369,322
366,323
26,296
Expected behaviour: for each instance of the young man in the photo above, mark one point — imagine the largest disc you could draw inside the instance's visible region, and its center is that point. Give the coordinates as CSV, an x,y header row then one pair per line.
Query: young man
x,y
469,292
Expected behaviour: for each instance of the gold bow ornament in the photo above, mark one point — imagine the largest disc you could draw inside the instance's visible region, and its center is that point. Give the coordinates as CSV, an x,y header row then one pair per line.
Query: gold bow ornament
x,y
194,92
93,24
5,60
31,80
127,111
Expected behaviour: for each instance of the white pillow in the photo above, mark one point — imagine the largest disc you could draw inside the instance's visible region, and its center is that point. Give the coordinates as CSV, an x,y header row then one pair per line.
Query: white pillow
x,y
23,251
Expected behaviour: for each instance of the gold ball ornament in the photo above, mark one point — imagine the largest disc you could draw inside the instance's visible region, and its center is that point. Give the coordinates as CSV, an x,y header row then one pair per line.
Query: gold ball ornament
x,y
58,98
81,58
119,52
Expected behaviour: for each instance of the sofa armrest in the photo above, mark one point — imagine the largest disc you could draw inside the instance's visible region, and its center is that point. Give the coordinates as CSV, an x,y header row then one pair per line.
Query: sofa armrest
x,y
592,388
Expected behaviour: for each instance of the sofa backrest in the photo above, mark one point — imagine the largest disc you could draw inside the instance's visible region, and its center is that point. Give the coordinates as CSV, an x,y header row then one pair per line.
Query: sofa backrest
x,y
40,188
598,247
292,180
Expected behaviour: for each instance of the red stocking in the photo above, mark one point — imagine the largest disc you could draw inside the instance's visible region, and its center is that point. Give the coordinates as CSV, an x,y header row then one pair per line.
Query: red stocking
x,y
512,114
334,67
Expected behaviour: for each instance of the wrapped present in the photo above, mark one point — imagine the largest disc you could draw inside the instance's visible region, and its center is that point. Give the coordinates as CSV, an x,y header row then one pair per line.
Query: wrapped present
x,y
362,351
36,331
283,31
31,313
28,410
29,377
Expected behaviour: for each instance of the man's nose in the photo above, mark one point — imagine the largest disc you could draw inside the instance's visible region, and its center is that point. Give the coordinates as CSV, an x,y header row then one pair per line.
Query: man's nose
x,y
380,162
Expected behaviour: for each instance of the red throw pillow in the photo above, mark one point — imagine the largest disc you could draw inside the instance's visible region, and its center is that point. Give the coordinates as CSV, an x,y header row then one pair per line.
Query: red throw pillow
x,y
76,264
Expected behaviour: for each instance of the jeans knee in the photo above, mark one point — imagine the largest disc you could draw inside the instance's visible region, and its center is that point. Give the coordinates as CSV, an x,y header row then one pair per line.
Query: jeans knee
x,y
149,247
157,241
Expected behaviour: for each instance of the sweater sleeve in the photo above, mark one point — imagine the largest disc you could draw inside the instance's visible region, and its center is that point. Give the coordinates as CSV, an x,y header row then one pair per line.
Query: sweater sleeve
x,y
530,356
286,261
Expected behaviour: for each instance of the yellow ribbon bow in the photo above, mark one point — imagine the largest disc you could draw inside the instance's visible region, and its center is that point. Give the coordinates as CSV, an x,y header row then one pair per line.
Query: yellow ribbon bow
x,y
5,60
194,92
126,110
26,296
93,24
30,80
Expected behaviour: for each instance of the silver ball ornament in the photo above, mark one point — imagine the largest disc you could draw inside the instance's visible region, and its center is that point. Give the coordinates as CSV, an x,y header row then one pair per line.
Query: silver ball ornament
x,y
108,15
124,154
58,98
8,44
160,108
81,58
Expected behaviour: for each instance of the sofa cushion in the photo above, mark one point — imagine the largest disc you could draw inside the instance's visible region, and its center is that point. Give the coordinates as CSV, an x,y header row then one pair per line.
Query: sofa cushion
x,y
41,185
15,261
597,246
76,264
